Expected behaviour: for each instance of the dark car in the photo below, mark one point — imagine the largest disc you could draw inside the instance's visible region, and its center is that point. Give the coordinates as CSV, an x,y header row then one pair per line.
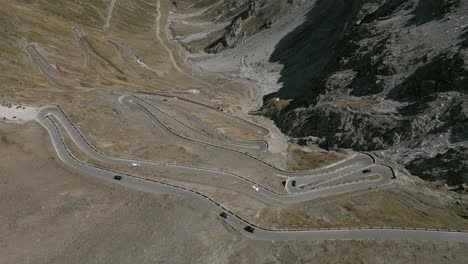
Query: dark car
x,y
366,171
249,229
165,100
117,177
293,183
224,215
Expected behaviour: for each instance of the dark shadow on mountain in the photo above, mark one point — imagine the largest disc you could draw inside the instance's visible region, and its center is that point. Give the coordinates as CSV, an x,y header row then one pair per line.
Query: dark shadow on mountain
x,y
305,51
443,73
464,40
313,53
450,167
459,119
429,10
388,8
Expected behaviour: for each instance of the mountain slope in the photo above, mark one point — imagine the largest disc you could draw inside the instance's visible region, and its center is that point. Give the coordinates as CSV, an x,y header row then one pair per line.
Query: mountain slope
x,y
389,76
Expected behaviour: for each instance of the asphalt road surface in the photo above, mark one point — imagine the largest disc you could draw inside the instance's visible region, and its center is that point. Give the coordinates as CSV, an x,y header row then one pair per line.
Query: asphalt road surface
x,y
33,53
157,115
52,116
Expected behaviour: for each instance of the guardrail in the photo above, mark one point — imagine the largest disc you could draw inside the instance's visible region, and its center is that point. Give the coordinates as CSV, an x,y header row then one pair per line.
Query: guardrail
x,y
211,200
187,166
271,167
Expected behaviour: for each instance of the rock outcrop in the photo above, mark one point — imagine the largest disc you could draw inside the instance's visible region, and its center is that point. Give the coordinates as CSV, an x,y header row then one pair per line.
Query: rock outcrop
x,y
394,77
450,166
388,76
248,17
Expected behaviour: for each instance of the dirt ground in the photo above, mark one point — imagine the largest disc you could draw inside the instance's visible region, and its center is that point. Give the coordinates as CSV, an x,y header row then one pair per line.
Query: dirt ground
x,y
51,214
55,215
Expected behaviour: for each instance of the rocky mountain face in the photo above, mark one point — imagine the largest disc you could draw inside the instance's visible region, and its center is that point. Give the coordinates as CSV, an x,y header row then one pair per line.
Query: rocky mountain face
x,y
451,166
248,18
387,76
395,81
243,18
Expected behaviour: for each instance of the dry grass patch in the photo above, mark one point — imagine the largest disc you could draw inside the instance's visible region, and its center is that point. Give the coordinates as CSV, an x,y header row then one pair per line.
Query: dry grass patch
x,y
304,158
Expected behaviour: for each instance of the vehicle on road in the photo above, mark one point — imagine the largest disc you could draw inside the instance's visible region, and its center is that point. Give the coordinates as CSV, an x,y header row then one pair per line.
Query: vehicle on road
x,y
249,229
236,222
224,215
366,171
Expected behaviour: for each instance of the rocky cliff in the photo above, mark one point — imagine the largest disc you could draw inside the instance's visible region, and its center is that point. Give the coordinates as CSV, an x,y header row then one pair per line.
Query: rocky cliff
x,y
388,76
396,79
233,21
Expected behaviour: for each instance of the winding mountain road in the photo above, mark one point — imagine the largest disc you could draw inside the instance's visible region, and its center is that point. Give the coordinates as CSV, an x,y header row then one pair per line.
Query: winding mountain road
x,y
33,52
45,118
259,145
253,145
357,173
54,114
157,116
